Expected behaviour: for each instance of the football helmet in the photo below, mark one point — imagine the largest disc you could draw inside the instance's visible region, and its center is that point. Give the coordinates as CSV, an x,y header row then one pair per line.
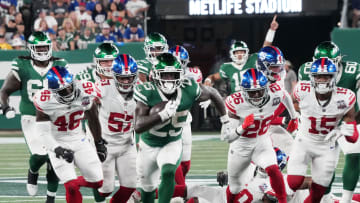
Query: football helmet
x,y
281,159
124,72
61,84
40,46
271,61
168,73
154,45
104,56
239,46
323,73
328,49
254,86
181,54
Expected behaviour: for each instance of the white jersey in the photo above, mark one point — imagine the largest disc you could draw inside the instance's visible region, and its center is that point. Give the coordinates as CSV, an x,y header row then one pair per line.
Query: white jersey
x,y
237,105
116,114
194,73
317,121
66,119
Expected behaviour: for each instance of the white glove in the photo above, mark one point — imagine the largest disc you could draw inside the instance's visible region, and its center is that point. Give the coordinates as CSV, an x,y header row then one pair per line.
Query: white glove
x,y
8,111
169,110
346,129
333,135
227,132
205,104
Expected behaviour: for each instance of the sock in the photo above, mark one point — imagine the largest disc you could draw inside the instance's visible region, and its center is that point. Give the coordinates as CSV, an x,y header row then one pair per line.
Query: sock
x,y
356,197
52,179
346,195
36,161
179,176
230,197
97,196
147,197
295,181
83,183
167,185
351,171
122,195
179,191
328,189
73,194
191,200
185,165
316,193
277,182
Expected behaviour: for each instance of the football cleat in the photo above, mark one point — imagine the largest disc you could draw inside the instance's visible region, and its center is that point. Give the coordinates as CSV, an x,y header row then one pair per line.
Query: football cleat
x,y
222,178
31,185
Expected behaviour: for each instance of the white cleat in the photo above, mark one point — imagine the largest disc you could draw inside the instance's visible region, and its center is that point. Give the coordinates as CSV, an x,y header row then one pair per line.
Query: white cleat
x,y
31,189
31,185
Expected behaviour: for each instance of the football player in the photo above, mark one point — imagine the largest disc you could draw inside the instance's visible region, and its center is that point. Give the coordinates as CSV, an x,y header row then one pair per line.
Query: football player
x,y
154,45
28,74
239,54
322,106
60,109
162,107
191,73
116,116
251,111
348,77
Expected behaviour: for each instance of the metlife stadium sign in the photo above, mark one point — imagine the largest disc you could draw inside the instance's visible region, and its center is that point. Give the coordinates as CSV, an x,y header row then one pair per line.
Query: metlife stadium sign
x,y
239,7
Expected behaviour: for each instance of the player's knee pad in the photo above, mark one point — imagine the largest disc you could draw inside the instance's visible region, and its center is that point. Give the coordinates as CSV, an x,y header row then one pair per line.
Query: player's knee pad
x,y
72,186
295,181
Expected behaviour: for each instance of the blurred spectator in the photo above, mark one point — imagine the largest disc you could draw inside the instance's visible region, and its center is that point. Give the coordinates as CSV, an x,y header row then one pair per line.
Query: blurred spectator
x,y
18,18
290,78
52,36
99,15
44,27
50,20
10,28
10,14
120,5
68,26
75,20
5,6
105,35
20,30
134,34
355,4
3,44
90,5
59,11
115,30
117,20
64,41
136,8
38,6
83,16
93,26
18,44
74,5
86,38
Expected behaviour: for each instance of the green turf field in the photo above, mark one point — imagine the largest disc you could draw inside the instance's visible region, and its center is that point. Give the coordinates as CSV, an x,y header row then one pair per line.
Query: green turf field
x,y
209,155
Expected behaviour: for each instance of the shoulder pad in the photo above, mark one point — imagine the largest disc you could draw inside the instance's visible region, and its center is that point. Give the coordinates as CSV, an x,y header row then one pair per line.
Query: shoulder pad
x,y
233,101
89,89
301,89
143,91
41,98
347,94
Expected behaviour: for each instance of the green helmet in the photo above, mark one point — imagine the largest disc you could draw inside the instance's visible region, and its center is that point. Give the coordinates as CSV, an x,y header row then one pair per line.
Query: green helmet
x,y
328,49
40,46
167,73
239,46
155,44
105,52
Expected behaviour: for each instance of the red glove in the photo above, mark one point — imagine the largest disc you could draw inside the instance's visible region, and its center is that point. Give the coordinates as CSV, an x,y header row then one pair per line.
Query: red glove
x,y
248,121
293,125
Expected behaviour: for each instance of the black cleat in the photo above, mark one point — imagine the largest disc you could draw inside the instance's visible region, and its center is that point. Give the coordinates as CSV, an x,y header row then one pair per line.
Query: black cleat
x,y
50,199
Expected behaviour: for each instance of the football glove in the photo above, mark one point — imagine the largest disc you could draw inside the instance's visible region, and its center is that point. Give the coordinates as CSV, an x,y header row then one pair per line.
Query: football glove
x,y
248,121
349,130
293,125
66,154
225,128
169,110
222,178
101,149
8,111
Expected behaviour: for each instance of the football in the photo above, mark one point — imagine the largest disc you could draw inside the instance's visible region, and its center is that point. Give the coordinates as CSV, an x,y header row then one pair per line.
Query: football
x,y
157,108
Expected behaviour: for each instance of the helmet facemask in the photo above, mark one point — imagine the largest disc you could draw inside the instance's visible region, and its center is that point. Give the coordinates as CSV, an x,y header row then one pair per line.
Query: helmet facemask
x,y
125,83
256,97
155,49
323,83
168,79
104,65
66,94
236,53
274,72
40,52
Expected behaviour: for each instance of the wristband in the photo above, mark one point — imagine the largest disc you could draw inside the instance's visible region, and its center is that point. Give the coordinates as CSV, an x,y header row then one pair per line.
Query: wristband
x,y
208,80
239,130
163,115
224,119
270,35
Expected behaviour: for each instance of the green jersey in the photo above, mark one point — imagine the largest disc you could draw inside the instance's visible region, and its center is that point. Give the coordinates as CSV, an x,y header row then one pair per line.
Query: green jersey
x,y
171,129
251,62
145,67
347,77
88,74
32,79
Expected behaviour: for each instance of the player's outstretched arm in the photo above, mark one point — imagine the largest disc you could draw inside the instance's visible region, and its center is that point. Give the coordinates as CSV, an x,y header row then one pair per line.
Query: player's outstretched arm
x,y
209,81
143,119
212,94
271,32
10,85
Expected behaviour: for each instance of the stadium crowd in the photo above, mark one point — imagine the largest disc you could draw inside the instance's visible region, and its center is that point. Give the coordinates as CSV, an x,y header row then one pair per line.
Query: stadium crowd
x,y
71,24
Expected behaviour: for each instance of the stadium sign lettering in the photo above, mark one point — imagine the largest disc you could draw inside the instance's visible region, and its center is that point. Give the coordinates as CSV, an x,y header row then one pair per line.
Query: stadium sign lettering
x,y
237,7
